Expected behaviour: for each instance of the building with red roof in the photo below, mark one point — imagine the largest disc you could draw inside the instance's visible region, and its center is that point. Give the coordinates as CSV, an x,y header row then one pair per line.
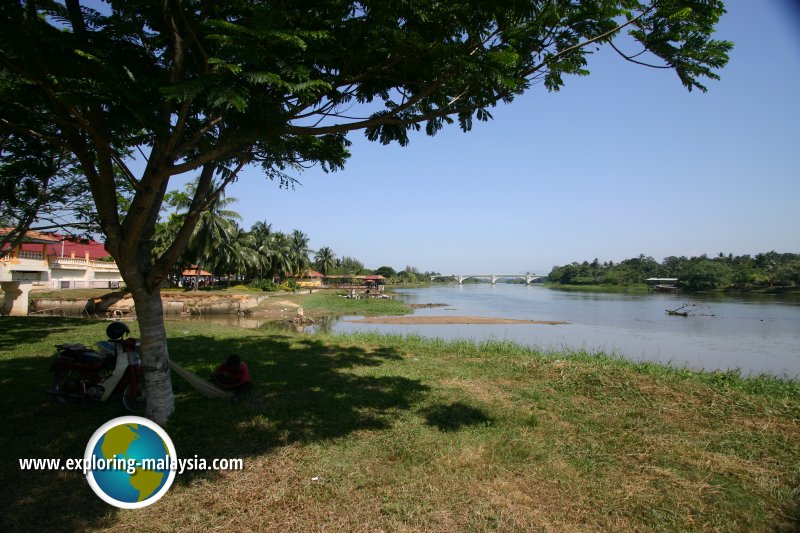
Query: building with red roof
x,y
71,246
310,279
58,262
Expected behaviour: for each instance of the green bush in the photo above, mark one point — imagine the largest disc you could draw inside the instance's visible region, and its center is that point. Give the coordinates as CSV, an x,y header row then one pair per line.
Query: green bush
x,y
266,285
290,285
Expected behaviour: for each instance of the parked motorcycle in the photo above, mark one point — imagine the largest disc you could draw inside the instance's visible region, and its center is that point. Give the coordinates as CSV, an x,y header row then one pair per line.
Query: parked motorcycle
x,y
115,366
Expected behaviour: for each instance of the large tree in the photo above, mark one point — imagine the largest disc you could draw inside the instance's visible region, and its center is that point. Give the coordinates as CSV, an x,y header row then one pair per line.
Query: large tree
x,y
39,183
207,87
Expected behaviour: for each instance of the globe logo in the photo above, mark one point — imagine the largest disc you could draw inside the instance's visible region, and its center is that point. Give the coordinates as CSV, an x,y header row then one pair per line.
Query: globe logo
x,y
128,462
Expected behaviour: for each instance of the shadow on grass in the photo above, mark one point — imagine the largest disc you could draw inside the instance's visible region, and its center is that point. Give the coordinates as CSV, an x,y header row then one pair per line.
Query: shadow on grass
x,y
16,331
304,391
455,416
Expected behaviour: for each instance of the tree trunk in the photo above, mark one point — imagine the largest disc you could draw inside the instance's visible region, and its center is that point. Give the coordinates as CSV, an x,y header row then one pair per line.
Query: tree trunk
x,y
155,356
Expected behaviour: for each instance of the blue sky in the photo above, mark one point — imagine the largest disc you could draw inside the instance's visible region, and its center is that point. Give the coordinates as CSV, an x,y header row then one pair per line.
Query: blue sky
x,y
619,163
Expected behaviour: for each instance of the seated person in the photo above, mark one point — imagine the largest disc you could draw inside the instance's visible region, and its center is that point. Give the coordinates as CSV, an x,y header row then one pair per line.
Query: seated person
x,y
233,375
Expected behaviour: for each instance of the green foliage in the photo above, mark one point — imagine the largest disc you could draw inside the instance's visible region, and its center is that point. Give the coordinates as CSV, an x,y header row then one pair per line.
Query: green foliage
x,y
407,276
266,285
765,270
385,271
325,260
349,265
41,185
219,245
289,285
705,274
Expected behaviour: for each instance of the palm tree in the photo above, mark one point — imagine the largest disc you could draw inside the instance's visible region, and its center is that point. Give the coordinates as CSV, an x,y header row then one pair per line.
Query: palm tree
x,y
214,231
166,232
238,254
281,264
299,252
261,235
216,242
325,260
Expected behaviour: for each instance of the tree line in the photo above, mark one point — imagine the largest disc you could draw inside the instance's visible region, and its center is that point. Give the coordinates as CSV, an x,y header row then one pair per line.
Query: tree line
x,y
764,270
260,256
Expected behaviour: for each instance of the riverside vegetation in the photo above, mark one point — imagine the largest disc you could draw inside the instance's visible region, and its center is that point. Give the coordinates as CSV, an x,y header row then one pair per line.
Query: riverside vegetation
x,y
770,271
369,432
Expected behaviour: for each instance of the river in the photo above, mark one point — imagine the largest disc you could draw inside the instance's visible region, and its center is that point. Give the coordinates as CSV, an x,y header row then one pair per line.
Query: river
x,y
753,333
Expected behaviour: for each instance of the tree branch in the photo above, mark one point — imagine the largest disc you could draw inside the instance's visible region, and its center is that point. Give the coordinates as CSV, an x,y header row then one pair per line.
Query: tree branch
x,y
632,60
216,193
104,193
204,158
125,170
587,42
391,118
164,263
194,139
21,130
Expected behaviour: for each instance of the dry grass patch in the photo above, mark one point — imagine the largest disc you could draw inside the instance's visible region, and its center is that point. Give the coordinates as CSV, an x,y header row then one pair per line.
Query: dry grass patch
x,y
370,433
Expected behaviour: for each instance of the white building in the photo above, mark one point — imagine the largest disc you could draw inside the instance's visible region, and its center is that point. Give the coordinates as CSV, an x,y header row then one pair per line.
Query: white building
x,y
36,262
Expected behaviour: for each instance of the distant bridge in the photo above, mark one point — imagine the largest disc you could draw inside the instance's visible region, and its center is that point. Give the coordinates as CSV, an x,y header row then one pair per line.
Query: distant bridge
x,y
493,277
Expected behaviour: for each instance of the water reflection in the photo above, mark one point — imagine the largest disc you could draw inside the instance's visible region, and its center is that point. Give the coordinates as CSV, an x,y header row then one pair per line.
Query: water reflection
x,y
755,333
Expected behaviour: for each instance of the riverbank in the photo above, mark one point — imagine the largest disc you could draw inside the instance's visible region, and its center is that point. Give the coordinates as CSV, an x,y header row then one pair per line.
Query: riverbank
x,y
642,288
323,304
278,306
370,432
638,288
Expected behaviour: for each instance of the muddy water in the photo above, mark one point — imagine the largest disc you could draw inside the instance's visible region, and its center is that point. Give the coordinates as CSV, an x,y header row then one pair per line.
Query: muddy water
x,y
754,333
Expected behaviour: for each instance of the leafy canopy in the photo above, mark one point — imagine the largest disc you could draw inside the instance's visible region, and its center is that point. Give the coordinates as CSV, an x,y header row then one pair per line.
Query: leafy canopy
x,y
208,87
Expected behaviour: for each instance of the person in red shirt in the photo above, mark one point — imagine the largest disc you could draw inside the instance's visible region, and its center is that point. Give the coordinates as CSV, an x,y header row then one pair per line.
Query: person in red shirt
x,y
233,375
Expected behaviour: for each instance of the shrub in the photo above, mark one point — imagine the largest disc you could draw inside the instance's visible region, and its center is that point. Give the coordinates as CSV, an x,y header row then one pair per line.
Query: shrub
x,y
290,285
266,285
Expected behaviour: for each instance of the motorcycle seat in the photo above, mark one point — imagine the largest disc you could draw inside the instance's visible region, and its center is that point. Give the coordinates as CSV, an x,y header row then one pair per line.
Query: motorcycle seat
x,y
84,356
107,346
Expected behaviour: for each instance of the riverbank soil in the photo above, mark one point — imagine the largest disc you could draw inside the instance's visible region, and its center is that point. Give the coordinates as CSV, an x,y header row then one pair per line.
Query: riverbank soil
x,y
278,306
374,433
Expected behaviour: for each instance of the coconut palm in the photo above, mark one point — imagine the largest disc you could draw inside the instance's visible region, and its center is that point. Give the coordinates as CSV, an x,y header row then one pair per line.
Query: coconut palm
x,y
281,263
261,241
299,253
215,229
325,260
237,255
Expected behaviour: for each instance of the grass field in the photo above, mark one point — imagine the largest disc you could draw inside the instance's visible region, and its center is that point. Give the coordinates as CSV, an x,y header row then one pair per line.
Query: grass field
x,y
373,433
334,305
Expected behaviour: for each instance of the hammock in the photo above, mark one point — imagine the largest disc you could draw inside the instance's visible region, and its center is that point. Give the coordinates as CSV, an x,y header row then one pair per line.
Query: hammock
x,y
206,388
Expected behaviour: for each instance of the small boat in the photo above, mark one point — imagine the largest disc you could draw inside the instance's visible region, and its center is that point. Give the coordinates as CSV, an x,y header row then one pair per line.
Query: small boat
x,y
665,288
677,313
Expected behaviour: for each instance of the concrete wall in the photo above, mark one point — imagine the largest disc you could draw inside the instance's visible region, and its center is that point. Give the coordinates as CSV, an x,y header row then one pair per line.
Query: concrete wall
x,y
67,274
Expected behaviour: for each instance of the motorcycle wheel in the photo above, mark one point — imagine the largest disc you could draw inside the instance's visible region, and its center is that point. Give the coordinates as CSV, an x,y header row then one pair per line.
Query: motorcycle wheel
x,y
134,403
59,379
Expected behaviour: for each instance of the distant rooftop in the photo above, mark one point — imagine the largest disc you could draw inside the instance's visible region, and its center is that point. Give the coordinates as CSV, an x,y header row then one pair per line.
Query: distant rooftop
x,y
31,236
